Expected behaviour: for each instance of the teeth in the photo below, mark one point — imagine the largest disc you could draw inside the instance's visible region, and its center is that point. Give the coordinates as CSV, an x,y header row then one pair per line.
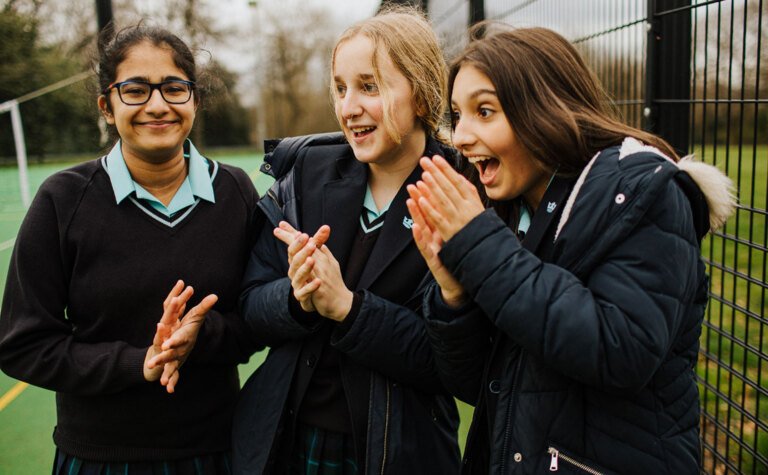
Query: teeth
x,y
360,130
478,159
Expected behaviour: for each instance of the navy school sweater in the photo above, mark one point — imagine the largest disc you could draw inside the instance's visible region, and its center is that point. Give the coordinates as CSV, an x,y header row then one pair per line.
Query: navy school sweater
x,y
84,293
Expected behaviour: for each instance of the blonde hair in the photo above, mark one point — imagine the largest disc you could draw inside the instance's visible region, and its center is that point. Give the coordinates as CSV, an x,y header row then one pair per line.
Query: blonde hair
x,y
406,36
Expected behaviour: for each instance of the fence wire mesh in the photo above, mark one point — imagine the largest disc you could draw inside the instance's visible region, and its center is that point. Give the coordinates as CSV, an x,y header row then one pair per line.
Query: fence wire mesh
x,y
695,73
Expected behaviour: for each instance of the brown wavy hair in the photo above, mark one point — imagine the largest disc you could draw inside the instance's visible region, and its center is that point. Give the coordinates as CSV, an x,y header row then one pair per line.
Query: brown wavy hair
x,y
554,103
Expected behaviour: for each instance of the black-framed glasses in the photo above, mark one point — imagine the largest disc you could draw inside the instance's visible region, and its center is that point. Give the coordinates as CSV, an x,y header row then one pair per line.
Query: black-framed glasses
x,y
136,93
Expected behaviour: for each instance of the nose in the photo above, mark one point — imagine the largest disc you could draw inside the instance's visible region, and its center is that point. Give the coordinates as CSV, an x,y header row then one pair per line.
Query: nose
x,y
463,136
156,103
350,105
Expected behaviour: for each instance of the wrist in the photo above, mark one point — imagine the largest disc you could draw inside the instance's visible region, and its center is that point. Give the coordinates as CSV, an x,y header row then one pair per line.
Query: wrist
x,y
345,305
453,299
152,374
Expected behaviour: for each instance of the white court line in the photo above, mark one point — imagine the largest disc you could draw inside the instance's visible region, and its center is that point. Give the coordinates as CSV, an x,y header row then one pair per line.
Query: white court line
x,y
7,244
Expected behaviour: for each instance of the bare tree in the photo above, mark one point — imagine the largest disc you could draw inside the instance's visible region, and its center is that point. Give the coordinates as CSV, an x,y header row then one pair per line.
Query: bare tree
x,y
294,72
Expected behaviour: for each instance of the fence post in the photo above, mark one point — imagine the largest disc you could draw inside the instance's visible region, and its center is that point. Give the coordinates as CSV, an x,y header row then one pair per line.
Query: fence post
x,y
668,71
476,11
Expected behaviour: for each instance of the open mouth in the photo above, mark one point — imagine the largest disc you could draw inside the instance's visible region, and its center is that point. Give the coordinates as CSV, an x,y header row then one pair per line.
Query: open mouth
x,y
486,167
360,132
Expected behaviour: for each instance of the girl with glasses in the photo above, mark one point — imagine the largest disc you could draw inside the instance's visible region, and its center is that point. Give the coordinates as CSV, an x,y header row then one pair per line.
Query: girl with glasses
x,y
335,283
99,304
569,312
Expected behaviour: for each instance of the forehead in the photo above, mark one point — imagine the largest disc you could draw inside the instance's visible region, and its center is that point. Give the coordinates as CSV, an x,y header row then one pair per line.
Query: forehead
x,y
471,83
147,60
355,57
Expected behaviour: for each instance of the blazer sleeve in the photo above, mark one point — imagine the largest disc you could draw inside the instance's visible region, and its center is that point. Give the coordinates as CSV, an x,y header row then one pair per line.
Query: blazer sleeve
x,y
37,344
612,330
391,339
264,300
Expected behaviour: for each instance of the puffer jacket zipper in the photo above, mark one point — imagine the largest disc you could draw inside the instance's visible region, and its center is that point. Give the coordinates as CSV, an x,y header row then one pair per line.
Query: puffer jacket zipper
x,y
508,426
557,456
386,430
386,427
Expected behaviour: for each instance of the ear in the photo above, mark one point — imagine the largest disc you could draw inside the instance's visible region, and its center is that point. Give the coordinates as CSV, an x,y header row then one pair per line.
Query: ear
x,y
105,109
421,109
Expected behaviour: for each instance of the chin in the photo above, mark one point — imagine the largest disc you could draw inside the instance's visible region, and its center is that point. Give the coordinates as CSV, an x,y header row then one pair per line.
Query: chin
x,y
499,195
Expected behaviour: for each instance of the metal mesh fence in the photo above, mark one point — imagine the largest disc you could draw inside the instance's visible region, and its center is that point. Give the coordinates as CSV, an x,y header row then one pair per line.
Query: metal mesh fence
x,y
695,73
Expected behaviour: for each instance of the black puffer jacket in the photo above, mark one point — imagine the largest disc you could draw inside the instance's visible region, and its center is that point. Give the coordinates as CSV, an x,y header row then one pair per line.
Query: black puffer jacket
x,y
594,350
403,416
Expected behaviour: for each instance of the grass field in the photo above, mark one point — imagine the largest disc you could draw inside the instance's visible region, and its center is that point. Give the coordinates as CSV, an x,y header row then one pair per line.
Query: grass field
x,y
28,413
734,360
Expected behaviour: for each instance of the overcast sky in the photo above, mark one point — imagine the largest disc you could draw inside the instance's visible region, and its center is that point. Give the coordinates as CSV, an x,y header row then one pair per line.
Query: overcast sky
x,y
240,15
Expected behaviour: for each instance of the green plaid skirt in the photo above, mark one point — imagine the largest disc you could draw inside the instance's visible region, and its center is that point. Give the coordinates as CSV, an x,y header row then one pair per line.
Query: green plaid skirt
x,y
322,452
211,464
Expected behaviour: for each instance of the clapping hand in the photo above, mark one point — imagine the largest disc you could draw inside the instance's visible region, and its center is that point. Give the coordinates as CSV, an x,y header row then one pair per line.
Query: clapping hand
x,y
175,335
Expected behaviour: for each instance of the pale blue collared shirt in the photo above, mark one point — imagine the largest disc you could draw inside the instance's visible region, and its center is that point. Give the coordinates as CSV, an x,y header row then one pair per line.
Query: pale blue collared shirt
x,y
372,212
198,182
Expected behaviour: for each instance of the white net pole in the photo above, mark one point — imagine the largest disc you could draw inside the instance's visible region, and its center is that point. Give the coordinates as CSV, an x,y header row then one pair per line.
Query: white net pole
x,y
21,152
12,106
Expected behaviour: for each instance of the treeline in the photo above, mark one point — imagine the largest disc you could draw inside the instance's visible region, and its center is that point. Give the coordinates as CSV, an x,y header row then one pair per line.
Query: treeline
x,y
286,90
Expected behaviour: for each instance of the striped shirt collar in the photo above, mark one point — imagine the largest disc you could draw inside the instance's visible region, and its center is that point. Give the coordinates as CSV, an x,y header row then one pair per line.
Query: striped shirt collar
x,y
197,183
370,207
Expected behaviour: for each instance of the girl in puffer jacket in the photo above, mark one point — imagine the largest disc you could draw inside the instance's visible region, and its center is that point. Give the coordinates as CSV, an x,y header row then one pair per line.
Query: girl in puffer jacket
x,y
569,312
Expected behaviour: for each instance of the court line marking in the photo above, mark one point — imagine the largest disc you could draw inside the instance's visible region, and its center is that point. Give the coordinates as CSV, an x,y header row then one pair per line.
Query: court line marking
x,y
252,175
12,394
7,244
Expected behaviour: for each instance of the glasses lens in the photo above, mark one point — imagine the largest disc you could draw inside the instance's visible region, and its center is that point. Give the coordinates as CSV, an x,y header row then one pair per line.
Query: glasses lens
x,y
176,92
134,92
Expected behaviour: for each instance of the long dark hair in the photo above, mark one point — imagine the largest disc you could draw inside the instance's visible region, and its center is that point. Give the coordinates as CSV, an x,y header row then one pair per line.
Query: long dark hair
x,y
554,103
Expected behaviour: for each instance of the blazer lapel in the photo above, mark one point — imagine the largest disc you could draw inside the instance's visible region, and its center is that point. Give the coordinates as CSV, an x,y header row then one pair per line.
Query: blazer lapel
x,y
395,235
342,205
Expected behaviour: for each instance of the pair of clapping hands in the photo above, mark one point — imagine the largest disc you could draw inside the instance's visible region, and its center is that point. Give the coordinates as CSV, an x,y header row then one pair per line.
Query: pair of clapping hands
x,y
175,336
441,203
315,273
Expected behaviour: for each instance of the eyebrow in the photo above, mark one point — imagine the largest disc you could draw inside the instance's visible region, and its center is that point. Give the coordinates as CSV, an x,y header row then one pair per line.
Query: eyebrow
x,y
362,77
480,92
146,79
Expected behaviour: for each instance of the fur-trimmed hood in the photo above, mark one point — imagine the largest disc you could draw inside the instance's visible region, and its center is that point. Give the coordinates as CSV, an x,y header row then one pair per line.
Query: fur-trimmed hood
x,y
716,188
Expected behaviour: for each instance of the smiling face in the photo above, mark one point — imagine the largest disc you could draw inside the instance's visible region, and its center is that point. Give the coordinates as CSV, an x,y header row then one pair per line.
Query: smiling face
x,y
360,106
153,132
483,134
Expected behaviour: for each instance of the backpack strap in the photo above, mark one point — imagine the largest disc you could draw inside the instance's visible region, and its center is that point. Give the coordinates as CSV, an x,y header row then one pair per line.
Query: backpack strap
x,y
280,154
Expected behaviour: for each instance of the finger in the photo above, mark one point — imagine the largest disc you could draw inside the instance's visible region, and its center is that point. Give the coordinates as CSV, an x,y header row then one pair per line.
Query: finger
x,y
172,382
300,258
413,207
204,306
285,232
175,308
443,193
305,292
286,226
422,244
168,370
322,235
164,357
175,291
302,246
433,216
303,274
447,171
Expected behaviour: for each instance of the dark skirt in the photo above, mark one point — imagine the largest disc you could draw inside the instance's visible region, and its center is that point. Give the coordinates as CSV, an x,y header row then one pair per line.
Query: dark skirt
x,y
211,464
322,452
